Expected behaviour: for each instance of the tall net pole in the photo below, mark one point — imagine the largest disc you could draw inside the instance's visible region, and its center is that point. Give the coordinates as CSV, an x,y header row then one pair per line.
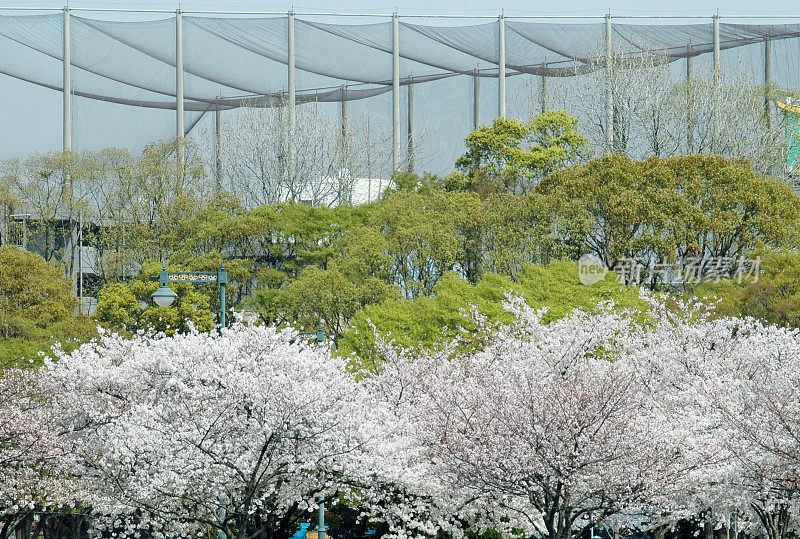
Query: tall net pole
x,y
501,66
689,104
291,98
395,93
345,194
66,142
67,108
179,126
609,91
543,92
476,100
410,126
716,48
767,79
218,146
344,113
716,82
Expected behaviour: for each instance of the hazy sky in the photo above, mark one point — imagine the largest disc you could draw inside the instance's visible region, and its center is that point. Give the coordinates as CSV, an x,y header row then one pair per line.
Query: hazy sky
x,y
478,7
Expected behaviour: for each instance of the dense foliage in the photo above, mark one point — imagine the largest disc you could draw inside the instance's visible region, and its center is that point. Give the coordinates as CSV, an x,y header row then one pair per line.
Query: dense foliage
x,y
449,312
523,196
509,155
37,308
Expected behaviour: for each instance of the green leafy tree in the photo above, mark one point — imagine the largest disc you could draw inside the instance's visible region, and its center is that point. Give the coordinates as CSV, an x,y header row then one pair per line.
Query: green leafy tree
x,y
509,155
614,207
37,308
515,231
772,295
117,307
675,209
426,235
330,297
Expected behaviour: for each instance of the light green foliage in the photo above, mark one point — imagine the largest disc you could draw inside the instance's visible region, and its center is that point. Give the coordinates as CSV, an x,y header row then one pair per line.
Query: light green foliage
x,y
117,307
119,304
513,156
426,321
329,297
774,296
515,230
37,308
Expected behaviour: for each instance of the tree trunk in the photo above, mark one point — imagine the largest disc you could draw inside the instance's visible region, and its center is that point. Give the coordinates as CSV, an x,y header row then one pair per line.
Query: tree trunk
x,y
708,527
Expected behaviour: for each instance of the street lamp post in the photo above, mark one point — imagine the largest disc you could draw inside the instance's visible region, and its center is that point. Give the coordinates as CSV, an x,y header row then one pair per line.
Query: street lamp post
x,y
165,296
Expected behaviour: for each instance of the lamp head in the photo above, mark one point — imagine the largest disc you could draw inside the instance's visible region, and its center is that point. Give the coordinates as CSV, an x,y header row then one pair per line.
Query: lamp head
x,y
164,296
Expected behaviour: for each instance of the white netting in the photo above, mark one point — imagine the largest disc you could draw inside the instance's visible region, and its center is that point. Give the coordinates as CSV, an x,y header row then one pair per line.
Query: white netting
x,y
233,62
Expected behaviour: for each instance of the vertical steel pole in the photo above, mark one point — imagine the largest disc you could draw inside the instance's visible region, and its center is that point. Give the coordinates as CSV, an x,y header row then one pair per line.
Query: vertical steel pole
x,y
716,82
179,126
345,172
344,113
716,48
66,144
688,62
410,126
321,525
476,100
609,91
67,61
689,105
218,146
543,93
395,93
291,98
767,79
501,66
222,280
80,261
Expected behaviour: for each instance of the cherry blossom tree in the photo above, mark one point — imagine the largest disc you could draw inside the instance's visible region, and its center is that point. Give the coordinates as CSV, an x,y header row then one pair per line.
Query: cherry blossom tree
x,y
240,433
546,429
36,489
611,418
731,386
753,389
